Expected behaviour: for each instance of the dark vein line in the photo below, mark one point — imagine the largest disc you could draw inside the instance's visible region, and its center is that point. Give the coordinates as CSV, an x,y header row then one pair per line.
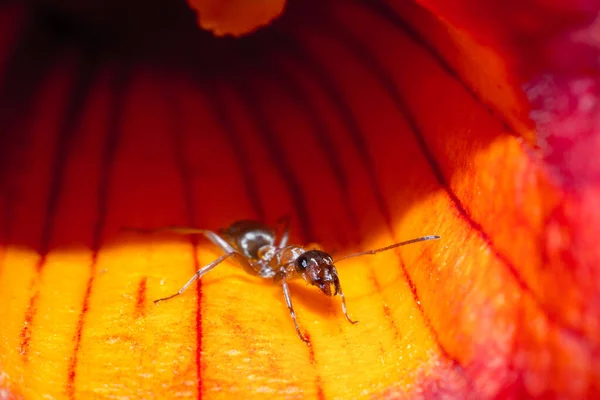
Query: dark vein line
x,y
244,162
346,39
386,309
311,359
319,133
365,55
119,87
183,169
25,334
276,152
305,58
389,14
140,303
70,123
31,61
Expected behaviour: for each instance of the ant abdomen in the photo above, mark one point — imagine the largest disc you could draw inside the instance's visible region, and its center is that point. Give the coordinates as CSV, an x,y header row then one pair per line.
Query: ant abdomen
x,y
249,237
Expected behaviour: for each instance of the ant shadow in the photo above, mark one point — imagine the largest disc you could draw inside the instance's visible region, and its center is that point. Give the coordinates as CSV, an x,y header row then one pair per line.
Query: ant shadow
x,y
309,296
316,301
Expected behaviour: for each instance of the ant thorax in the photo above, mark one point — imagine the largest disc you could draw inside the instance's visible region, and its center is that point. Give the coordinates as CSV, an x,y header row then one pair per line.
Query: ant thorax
x,y
250,238
289,254
281,260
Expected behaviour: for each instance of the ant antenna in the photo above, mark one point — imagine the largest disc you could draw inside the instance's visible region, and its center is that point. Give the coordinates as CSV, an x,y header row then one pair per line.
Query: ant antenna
x,y
375,251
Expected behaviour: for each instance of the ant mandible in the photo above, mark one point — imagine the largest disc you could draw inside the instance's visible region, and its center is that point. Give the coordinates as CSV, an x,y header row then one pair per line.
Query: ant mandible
x,y
254,246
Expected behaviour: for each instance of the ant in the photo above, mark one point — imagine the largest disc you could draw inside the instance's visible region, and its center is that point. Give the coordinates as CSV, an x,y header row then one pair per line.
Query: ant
x,y
254,246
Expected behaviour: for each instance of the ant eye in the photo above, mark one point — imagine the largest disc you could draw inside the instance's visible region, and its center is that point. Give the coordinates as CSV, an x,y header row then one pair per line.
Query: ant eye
x,y
301,263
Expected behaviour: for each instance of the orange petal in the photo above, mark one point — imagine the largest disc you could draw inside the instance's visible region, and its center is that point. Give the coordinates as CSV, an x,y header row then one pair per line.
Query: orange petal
x,y
364,143
237,17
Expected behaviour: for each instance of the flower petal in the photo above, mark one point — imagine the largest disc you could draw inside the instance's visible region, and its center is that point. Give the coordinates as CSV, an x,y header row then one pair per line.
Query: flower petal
x,y
364,145
236,17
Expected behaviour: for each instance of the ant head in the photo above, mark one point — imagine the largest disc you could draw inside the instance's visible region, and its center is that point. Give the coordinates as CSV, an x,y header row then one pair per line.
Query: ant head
x,y
316,267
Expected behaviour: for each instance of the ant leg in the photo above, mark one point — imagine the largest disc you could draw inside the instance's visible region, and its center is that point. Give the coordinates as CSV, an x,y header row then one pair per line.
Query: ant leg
x,y
215,238
288,301
184,230
199,274
285,220
344,309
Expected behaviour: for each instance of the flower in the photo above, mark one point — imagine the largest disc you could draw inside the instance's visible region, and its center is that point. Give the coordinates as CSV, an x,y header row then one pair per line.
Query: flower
x,y
370,123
